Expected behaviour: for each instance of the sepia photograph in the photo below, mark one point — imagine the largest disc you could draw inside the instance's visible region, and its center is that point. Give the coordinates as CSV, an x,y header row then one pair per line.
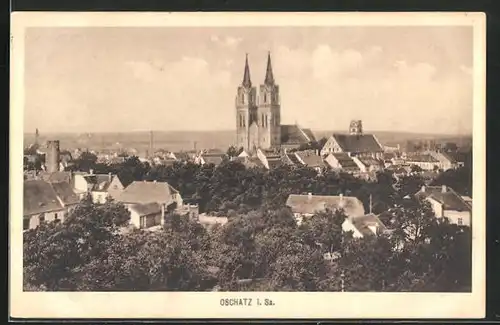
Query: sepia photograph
x,y
254,164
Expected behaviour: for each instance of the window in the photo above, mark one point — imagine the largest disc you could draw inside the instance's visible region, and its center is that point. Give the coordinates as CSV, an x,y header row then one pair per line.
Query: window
x,y
265,97
460,221
262,119
41,218
26,223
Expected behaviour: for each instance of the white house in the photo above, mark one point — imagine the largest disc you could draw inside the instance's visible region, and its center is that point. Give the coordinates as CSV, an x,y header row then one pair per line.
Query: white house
x,y
99,186
147,200
445,202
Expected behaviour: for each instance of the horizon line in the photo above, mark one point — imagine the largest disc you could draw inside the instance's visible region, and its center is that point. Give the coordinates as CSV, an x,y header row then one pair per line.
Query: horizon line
x,y
234,130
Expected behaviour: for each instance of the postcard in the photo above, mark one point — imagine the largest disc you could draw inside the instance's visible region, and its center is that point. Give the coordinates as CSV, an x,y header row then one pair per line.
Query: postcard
x,y
247,165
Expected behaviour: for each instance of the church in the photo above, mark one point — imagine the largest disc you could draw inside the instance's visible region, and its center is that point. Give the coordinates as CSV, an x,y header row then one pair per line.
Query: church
x,y
258,116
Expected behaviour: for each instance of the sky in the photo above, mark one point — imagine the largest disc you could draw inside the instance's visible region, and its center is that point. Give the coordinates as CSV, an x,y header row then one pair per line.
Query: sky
x,y
81,79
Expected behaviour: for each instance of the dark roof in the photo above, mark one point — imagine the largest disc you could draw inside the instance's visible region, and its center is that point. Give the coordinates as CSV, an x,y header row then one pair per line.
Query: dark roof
x,y
39,196
363,223
274,162
293,159
449,157
358,143
246,75
147,192
306,204
449,199
293,134
269,80
344,160
146,209
65,193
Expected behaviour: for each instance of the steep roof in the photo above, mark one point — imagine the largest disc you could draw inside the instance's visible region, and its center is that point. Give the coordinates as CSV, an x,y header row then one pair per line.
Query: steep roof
x,y
146,209
449,199
39,196
293,134
247,83
269,79
358,143
306,204
363,224
147,192
65,193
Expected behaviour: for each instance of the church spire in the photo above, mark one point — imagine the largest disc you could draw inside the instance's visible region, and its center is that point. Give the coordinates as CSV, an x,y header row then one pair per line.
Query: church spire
x,y
269,71
246,76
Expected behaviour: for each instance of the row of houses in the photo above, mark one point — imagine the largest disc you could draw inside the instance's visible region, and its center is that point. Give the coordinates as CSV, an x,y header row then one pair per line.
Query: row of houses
x,y
51,196
444,201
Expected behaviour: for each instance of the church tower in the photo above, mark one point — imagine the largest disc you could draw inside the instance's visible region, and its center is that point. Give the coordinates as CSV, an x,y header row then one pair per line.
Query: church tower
x,y
269,110
246,109
356,127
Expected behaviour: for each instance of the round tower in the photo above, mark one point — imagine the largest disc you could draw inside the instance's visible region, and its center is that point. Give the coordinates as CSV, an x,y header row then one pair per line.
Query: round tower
x,y
52,156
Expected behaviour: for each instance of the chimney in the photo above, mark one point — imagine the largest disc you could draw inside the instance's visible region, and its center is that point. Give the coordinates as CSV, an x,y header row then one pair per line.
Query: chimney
x,y
341,196
309,196
443,189
110,176
422,189
91,171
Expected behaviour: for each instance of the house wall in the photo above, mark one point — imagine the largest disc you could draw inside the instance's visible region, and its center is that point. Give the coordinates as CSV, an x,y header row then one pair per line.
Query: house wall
x,y
115,188
330,146
80,184
34,219
348,226
437,207
135,218
99,197
454,217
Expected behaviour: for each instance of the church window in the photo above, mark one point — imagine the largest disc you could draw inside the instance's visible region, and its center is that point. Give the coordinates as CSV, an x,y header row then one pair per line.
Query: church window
x,y
265,97
262,119
243,121
243,98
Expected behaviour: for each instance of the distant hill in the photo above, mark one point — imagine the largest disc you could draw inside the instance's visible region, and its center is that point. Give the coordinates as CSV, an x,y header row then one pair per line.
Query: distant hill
x,y
187,140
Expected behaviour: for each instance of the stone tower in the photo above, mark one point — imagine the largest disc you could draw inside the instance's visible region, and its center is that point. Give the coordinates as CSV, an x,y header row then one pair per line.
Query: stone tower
x,y
356,127
246,109
52,156
268,113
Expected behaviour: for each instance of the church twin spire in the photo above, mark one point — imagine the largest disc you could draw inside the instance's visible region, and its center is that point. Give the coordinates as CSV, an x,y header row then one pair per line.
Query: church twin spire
x,y
268,80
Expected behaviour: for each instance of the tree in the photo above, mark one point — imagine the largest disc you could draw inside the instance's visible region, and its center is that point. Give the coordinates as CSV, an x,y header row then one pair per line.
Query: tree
x,y
55,253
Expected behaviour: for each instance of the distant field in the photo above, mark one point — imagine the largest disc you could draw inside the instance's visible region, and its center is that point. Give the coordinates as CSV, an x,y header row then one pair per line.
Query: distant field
x,y
187,140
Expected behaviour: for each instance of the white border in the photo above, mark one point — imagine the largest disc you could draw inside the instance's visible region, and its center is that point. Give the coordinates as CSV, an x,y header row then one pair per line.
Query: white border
x,y
206,304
